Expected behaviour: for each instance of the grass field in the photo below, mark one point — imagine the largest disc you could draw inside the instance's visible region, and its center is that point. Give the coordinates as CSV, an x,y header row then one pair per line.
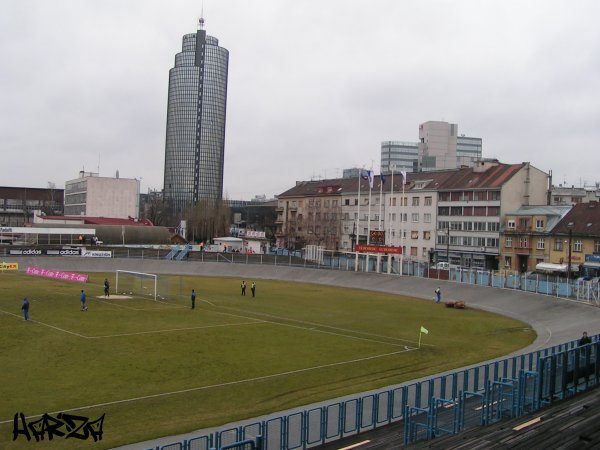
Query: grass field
x,y
159,368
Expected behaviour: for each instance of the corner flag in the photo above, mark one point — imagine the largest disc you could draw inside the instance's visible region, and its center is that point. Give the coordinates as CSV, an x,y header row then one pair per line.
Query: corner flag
x,y
424,330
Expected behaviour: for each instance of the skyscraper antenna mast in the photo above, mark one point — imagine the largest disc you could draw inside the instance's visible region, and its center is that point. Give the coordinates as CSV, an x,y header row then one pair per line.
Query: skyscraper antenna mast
x,y
201,20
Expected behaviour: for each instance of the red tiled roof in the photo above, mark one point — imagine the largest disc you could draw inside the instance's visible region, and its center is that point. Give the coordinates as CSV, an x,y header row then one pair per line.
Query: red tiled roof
x,y
585,220
104,220
494,177
350,185
452,179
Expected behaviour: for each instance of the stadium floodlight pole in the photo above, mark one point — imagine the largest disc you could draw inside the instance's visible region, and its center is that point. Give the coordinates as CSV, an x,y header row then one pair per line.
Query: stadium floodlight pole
x,y
401,221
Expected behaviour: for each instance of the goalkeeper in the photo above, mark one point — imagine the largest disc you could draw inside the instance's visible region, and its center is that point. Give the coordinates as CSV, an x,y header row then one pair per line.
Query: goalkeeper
x,y
106,288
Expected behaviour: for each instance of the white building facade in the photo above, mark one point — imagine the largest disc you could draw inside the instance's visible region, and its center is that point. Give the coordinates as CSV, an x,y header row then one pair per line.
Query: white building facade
x,y
94,196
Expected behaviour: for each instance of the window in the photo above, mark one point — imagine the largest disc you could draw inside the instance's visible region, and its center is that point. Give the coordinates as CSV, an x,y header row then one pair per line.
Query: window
x,y
326,203
467,241
597,246
468,211
510,224
457,226
427,201
493,226
493,211
480,196
494,195
347,202
415,217
414,251
478,242
442,239
454,240
508,242
455,196
492,242
479,226
393,217
393,201
415,201
443,211
523,242
414,234
468,226
444,196
427,235
558,245
507,261
443,225
456,211
577,245
539,224
427,218
479,211
424,253
333,203
541,242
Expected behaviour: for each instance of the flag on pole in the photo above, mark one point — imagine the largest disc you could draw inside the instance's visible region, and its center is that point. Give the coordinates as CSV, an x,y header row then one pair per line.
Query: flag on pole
x,y
403,172
382,178
423,331
367,175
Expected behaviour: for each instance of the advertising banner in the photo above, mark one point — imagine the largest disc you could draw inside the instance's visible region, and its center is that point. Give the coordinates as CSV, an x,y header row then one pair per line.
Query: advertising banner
x,y
25,251
48,252
9,266
57,274
96,253
378,249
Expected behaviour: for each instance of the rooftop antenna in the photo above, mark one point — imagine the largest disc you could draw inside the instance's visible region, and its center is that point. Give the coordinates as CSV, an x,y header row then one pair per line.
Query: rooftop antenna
x,y
201,20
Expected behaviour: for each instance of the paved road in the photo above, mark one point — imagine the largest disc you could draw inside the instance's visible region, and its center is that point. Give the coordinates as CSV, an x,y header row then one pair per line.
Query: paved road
x,y
555,320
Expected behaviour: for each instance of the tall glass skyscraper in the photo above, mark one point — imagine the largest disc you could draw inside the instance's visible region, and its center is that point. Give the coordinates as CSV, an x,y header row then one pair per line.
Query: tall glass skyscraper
x,y
196,109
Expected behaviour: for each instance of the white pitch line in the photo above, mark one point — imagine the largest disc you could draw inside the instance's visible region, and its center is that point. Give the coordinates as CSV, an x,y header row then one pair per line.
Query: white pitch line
x,y
229,383
358,444
175,329
47,325
317,324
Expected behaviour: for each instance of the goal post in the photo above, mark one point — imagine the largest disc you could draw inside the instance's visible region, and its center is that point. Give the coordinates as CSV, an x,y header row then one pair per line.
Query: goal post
x,y
145,284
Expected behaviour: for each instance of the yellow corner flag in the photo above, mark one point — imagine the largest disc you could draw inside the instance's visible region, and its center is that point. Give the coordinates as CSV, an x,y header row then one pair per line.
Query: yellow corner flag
x,y
423,330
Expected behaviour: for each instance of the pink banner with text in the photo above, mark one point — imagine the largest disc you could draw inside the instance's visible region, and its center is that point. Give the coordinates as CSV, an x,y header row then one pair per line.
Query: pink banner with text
x,y
57,274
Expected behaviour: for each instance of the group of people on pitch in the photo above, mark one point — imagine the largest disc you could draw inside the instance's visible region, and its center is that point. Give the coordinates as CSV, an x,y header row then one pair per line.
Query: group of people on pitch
x,y
243,286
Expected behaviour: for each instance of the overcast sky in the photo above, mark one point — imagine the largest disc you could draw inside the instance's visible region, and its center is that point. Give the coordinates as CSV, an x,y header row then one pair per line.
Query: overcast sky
x,y
314,85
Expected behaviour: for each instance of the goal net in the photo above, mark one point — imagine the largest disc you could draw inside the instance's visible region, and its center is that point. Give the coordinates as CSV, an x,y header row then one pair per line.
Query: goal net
x,y
136,283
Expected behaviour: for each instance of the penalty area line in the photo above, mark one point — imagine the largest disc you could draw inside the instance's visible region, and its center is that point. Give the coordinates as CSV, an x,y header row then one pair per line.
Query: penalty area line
x,y
46,325
229,383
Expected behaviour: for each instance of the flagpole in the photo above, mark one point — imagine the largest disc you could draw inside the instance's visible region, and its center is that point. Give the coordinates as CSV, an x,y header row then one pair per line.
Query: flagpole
x,y
420,334
369,221
403,226
389,239
380,200
357,223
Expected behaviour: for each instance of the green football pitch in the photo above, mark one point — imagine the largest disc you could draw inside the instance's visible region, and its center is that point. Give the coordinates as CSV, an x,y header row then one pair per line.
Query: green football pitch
x,y
157,368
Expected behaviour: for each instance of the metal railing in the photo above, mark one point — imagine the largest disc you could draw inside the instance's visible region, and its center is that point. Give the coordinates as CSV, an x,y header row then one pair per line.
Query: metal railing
x,y
441,405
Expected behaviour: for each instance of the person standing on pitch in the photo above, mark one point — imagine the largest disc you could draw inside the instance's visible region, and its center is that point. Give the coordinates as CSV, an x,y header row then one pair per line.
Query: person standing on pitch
x,y
193,299
106,288
25,308
438,295
82,298
243,287
253,288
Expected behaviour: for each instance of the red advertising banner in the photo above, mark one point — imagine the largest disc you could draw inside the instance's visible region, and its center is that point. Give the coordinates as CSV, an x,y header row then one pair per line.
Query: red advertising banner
x,y
378,249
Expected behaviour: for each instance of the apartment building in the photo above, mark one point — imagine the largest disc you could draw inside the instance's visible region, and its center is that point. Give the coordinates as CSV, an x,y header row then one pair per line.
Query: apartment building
x,y
472,204
412,216
525,236
581,228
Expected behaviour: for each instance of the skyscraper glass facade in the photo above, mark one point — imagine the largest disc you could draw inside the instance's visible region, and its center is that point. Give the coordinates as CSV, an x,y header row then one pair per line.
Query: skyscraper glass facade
x,y
195,139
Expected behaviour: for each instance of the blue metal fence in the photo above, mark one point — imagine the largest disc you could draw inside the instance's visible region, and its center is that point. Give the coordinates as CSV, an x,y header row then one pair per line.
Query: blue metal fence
x,y
441,405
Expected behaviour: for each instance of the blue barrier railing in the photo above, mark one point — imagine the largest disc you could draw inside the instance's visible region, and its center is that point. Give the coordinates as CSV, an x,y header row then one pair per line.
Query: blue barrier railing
x,y
441,405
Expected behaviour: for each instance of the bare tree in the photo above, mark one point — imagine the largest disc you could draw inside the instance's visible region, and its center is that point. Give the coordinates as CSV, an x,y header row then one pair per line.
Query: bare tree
x,y
207,219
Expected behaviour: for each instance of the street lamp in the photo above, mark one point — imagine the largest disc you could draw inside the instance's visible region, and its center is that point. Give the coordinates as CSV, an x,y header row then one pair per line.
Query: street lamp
x,y
570,227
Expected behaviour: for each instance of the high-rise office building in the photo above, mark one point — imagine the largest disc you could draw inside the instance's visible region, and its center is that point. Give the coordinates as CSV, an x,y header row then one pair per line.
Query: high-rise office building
x,y
439,147
399,155
195,140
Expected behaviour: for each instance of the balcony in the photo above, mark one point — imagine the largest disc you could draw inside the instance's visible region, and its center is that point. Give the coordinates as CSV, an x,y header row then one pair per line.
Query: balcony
x,y
280,209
